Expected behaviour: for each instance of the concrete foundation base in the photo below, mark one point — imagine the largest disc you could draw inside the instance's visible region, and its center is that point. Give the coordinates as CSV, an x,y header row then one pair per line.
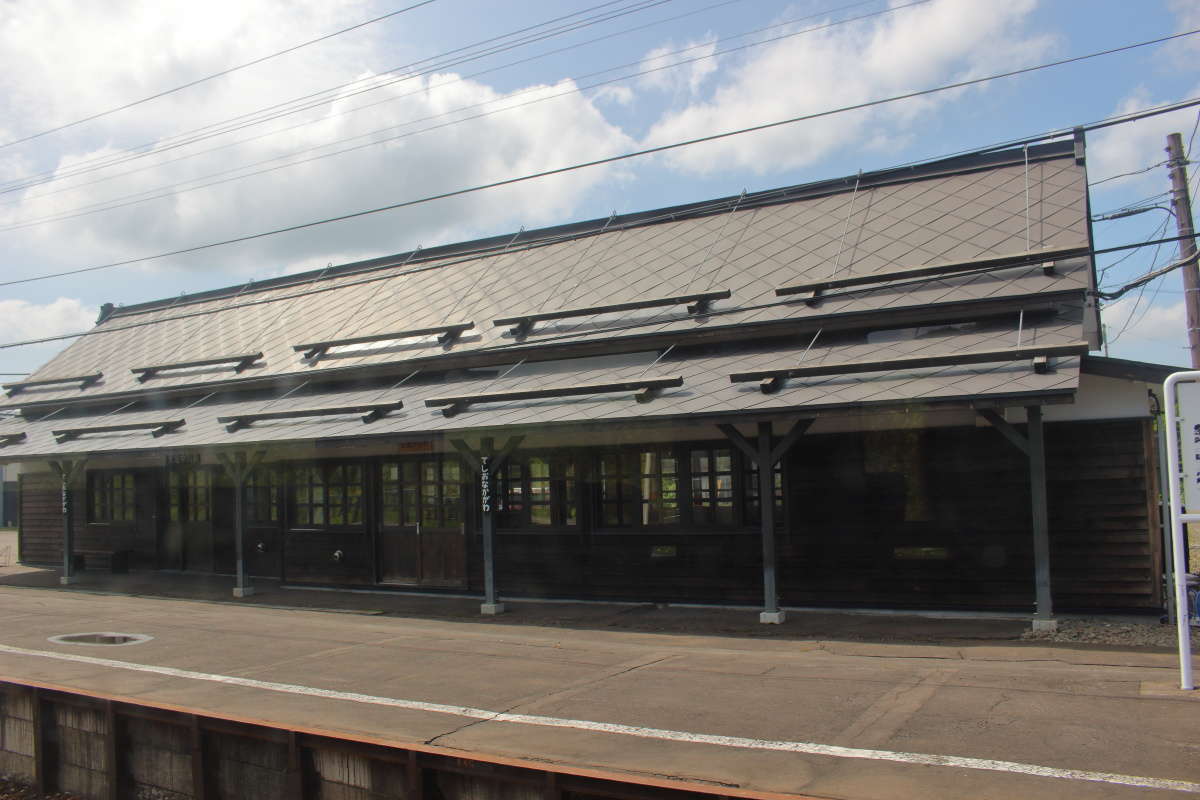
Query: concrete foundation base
x,y
772,617
491,609
67,580
1047,625
243,592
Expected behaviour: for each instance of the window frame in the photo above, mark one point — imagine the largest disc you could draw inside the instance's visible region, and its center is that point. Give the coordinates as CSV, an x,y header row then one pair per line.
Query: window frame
x,y
127,494
328,490
563,490
195,497
266,485
411,493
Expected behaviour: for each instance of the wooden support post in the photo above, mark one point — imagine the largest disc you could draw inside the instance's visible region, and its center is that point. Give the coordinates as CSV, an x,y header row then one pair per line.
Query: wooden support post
x,y
485,463
199,784
112,763
414,778
1032,444
765,457
239,468
1044,615
295,769
550,787
42,768
68,470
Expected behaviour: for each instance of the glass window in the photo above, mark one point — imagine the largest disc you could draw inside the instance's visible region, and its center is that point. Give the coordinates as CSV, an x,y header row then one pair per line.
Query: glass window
x,y
189,494
308,500
264,488
753,513
712,486
639,488
537,491
111,497
428,492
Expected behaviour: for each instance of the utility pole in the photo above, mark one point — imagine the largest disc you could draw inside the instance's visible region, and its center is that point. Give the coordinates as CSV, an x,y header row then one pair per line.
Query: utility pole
x,y
1181,201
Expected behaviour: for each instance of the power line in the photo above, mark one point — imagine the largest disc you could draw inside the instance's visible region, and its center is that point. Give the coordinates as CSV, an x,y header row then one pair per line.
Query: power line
x,y
174,190
345,112
338,92
601,161
719,205
213,76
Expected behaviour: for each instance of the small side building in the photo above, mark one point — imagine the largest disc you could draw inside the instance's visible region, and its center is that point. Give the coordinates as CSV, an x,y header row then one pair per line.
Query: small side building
x,y
871,392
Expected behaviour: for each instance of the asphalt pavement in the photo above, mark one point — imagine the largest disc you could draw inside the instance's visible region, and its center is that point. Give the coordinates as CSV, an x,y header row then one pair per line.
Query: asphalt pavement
x,y
810,716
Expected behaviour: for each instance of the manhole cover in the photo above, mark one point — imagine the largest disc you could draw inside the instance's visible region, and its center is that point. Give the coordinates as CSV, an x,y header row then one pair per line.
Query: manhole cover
x,y
105,637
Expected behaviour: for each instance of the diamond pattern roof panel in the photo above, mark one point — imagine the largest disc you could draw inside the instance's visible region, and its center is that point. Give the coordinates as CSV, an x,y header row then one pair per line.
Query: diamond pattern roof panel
x,y
706,390
750,251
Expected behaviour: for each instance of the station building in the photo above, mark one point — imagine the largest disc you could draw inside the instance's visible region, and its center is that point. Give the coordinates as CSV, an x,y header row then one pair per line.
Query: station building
x,y
876,391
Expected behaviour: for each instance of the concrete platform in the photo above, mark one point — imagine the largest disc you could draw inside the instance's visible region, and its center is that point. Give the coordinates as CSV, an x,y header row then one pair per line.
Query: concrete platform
x,y
780,714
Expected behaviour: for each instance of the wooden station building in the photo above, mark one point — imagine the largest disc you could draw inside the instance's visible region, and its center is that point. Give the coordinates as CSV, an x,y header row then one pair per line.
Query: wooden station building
x,y
875,391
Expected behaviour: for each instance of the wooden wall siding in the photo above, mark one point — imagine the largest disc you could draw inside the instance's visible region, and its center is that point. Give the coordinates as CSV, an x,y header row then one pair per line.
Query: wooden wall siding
x,y
936,518
162,754
268,562
239,766
41,531
76,742
669,566
17,732
309,557
932,518
1104,526
155,760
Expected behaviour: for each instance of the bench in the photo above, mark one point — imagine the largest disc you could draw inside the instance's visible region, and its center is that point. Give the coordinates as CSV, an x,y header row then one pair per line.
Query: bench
x,y
116,561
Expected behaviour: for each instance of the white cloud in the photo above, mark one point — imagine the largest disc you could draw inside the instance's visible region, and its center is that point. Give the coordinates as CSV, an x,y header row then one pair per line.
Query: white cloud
x,y
686,79
1144,329
1137,145
130,50
21,320
914,48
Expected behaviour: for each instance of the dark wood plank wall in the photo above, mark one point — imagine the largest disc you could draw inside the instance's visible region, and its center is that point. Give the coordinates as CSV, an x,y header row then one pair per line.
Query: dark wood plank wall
x,y
41,525
933,518
1105,544
40,534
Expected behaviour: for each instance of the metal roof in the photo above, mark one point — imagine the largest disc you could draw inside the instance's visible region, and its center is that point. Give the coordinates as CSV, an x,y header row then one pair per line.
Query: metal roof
x,y
1009,204
706,392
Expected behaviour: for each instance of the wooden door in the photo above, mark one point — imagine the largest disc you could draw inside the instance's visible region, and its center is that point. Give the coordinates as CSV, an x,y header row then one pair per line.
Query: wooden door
x,y
422,538
147,517
188,530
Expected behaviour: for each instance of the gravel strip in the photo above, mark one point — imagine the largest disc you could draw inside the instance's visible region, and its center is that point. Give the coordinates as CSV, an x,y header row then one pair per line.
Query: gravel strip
x,y
1149,633
10,790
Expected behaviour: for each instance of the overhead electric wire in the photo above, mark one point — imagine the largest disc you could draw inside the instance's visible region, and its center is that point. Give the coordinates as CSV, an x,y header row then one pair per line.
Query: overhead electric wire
x,y
206,78
174,190
287,108
327,117
605,160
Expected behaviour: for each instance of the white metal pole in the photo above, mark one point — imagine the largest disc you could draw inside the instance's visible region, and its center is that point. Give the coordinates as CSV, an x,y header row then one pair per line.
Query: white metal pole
x,y
1178,518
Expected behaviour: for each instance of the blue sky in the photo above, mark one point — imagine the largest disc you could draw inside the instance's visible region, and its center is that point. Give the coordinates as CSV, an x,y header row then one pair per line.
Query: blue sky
x,y
61,60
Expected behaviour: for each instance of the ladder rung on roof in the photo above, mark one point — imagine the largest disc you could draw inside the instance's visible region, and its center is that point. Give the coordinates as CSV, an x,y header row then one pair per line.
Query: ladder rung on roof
x,y
647,389
772,379
84,382
241,363
1045,258
697,304
156,429
445,333
369,413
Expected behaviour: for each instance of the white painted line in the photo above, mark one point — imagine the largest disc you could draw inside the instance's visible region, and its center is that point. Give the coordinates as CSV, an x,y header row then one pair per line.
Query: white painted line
x,y
809,748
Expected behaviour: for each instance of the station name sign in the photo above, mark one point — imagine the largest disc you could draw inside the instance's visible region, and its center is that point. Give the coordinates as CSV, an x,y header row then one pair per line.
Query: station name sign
x,y
485,484
1189,440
